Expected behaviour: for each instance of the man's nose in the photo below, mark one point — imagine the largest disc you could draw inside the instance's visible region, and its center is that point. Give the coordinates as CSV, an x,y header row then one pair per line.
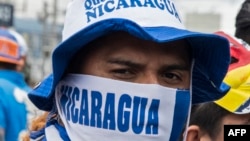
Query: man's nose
x,y
149,78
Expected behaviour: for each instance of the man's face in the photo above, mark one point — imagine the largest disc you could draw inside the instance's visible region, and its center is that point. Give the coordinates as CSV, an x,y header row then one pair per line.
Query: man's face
x,y
124,57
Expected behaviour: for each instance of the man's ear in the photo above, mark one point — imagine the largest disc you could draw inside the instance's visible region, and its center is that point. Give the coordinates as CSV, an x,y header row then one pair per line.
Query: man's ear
x,y
193,133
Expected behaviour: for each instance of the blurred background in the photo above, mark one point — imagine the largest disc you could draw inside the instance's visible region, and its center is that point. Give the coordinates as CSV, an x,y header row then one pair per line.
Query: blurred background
x,y
41,23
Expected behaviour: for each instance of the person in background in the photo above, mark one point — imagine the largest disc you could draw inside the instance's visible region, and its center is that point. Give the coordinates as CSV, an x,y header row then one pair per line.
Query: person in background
x,y
15,107
23,52
208,119
123,73
242,22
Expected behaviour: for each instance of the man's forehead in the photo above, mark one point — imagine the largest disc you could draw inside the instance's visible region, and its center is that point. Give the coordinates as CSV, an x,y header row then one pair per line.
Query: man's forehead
x,y
126,45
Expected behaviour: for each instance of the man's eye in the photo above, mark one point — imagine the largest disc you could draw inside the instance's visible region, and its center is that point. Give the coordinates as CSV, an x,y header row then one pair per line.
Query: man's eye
x,y
123,73
171,78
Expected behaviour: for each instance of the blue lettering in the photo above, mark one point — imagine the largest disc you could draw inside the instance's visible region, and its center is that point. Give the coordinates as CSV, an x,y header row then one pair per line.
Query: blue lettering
x,y
150,3
123,116
141,103
108,8
100,10
64,99
109,112
91,14
88,4
129,116
122,3
97,1
96,104
175,13
153,118
68,91
74,110
159,5
170,10
135,2
84,112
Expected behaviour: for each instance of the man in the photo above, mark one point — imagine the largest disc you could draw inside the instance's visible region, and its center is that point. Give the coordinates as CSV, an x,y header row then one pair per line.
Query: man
x,y
123,73
23,50
13,88
242,22
208,119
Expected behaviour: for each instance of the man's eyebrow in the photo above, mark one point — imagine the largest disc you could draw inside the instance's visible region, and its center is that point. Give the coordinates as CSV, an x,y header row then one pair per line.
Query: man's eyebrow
x,y
130,63
176,67
125,62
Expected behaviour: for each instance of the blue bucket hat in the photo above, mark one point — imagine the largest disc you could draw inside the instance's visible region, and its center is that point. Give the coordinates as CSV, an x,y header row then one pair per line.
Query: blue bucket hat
x,y
157,21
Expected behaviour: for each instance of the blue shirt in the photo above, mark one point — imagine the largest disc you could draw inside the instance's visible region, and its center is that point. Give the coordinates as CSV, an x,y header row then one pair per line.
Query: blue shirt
x,y
13,112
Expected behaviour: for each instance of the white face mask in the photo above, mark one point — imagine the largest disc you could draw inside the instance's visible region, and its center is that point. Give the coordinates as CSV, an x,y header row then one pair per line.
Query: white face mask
x,y
95,108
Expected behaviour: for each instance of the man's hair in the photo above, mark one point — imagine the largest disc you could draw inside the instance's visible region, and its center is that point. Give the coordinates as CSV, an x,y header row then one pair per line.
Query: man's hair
x,y
242,22
243,33
7,66
208,116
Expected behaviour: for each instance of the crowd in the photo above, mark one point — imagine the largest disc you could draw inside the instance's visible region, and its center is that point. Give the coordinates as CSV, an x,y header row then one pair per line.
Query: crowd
x,y
123,73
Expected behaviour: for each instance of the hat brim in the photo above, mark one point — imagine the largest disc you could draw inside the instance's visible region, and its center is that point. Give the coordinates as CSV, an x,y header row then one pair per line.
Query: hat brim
x,y
210,52
10,60
235,101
